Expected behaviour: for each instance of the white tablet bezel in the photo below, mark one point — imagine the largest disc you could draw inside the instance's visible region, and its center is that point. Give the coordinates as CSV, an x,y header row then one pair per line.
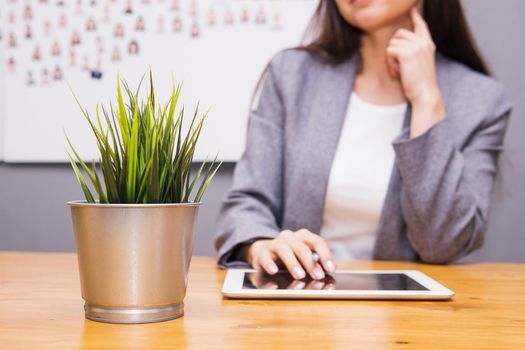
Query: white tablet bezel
x,y
232,288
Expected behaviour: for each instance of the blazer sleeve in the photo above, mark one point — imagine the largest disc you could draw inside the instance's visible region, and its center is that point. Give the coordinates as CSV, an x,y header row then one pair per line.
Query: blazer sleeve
x,y
252,207
445,191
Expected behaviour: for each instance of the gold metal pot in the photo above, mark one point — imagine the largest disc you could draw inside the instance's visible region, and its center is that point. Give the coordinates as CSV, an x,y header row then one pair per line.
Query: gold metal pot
x,y
133,259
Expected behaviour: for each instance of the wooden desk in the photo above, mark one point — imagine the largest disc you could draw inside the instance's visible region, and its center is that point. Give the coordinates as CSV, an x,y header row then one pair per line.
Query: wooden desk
x,y
41,308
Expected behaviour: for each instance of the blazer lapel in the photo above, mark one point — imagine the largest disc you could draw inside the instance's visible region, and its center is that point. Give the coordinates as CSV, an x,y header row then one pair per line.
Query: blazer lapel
x,y
325,121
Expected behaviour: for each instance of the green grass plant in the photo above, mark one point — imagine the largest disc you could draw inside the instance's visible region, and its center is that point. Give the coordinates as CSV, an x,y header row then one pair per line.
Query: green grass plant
x,y
145,155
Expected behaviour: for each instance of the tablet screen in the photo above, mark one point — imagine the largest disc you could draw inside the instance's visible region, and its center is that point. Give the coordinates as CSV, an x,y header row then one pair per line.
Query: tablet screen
x,y
337,281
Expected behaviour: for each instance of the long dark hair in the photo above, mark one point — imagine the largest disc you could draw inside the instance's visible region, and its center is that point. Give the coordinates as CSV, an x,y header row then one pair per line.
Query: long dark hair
x,y
333,40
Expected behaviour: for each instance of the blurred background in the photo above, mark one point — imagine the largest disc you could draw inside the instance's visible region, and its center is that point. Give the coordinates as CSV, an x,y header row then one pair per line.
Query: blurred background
x,y
34,215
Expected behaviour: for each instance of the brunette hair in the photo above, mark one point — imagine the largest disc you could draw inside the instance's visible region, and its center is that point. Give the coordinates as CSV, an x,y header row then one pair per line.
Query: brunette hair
x,y
333,40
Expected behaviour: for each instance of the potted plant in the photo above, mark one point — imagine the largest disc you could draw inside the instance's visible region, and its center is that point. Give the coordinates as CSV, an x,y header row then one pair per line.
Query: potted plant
x,y
134,243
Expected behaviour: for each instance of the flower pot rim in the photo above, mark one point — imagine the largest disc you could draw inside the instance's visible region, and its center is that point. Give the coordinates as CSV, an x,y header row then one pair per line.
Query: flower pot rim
x,y
83,203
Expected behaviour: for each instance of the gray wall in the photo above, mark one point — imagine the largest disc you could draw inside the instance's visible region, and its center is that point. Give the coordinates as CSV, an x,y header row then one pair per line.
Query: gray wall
x,y
33,214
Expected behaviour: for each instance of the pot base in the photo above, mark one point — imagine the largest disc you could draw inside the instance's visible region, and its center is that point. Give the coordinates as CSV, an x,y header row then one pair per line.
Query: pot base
x,y
157,314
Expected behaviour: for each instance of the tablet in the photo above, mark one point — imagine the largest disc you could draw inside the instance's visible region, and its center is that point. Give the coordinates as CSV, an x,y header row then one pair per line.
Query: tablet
x,y
343,284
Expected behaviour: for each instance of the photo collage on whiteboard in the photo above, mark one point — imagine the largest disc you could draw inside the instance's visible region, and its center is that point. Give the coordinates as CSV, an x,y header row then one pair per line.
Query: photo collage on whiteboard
x,y
43,40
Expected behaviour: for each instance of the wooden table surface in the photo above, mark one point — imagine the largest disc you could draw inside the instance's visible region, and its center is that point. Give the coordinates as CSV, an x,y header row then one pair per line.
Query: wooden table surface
x,y
41,308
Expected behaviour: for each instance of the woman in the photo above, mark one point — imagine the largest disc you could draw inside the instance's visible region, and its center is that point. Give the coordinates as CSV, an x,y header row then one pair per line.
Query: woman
x,y
378,140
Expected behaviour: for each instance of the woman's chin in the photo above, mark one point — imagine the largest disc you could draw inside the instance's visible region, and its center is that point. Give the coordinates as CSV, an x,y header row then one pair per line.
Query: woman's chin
x,y
356,4
370,15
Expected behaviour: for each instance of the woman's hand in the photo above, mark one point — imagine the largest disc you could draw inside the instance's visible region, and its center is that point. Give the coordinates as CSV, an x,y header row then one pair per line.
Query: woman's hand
x,y
411,55
294,250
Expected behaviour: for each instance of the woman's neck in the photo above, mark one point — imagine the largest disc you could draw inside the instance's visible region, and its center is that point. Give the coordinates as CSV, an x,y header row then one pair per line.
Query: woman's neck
x,y
374,81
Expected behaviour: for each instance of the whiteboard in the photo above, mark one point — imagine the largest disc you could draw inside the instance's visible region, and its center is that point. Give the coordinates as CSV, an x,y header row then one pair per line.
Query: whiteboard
x,y
218,48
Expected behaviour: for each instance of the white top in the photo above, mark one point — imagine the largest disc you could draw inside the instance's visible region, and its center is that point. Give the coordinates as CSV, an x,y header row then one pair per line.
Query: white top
x,y
359,178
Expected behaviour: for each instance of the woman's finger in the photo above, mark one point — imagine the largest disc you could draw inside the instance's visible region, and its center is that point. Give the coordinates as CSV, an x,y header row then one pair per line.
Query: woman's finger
x,y
403,42
287,256
318,244
405,34
304,254
420,26
393,64
265,262
397,51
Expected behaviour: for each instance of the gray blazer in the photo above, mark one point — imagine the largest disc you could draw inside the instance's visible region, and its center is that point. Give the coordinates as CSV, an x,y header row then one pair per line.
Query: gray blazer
x,y
438,197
